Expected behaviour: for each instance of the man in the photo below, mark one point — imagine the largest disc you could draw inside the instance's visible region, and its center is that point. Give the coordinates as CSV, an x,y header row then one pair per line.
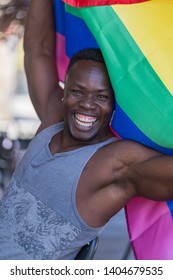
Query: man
x,y
75,175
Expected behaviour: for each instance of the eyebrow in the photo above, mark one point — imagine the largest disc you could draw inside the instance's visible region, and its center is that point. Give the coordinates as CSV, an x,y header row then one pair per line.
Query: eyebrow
x,y
83,87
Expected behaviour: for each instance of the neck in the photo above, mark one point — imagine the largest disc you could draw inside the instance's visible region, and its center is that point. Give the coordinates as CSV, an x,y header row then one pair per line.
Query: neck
x,y
70,143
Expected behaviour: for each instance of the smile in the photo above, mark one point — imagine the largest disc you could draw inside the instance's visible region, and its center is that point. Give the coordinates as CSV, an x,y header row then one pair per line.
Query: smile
x,y
84,120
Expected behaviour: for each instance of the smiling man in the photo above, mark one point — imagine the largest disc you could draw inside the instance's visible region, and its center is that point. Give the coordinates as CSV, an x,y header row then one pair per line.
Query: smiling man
x,y
75,174
88,98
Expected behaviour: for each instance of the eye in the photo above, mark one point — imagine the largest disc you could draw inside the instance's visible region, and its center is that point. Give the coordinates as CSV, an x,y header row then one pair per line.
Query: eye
x,y
102,97
76,91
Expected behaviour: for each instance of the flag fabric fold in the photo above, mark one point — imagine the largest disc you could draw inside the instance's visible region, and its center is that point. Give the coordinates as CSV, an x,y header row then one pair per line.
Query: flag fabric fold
x,y
136,40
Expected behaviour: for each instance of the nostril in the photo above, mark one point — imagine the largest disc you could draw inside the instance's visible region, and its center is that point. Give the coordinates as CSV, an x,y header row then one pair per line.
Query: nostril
x,y
88,103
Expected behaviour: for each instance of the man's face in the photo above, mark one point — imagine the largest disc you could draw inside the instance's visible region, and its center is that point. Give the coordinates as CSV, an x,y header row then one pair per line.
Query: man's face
x,y
88,101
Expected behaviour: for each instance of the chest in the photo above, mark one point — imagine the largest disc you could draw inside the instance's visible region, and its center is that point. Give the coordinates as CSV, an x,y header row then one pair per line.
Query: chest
x,y
98,173
67,179
55,176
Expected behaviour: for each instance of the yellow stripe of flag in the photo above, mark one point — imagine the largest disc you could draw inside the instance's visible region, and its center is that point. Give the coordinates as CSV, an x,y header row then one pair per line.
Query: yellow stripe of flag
x,y
151,26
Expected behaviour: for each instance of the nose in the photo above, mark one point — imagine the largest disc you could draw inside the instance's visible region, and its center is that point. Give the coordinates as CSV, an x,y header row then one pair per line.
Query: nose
x,y
87,102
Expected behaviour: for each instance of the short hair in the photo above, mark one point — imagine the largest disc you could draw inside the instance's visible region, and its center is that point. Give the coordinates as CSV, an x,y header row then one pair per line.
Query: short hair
x,y
93,54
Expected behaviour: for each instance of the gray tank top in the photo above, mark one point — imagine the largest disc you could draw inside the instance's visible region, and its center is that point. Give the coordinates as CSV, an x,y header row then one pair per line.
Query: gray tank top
x,y
38,214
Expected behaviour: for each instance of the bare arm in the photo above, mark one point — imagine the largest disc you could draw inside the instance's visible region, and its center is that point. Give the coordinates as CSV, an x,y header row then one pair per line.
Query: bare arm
x,y
40,65
153,178
149,173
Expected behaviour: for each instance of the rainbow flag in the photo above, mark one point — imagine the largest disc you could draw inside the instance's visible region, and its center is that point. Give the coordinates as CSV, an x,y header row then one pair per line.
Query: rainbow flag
x,y
136,39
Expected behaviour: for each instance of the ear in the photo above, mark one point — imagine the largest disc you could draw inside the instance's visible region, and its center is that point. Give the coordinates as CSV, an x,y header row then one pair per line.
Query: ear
x,y
61,86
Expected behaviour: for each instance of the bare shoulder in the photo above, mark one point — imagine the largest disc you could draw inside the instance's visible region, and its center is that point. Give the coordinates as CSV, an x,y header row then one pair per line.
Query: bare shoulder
x,y
119,155
130,152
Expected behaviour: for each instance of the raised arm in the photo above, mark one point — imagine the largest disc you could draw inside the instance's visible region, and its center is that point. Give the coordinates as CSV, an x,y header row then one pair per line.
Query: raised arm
x,y
153,178
149,172
40,64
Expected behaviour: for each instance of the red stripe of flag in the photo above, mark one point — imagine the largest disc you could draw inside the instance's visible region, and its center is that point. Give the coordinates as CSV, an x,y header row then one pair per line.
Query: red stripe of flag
x,y
84,3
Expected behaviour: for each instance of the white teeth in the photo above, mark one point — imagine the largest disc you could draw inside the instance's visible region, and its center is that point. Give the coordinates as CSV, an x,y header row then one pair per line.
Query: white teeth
x,y
83,123
86,121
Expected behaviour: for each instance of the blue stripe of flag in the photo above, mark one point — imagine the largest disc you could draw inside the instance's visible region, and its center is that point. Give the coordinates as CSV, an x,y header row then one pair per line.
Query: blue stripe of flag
x,y
59,11
77,35
126,129
74,29
170,205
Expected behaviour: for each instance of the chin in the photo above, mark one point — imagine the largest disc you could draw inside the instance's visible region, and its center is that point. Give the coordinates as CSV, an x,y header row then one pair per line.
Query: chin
x,y
84,138
92,135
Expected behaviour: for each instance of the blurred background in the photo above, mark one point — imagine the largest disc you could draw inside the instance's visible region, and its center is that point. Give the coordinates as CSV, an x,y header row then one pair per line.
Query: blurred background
x,y
18,121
